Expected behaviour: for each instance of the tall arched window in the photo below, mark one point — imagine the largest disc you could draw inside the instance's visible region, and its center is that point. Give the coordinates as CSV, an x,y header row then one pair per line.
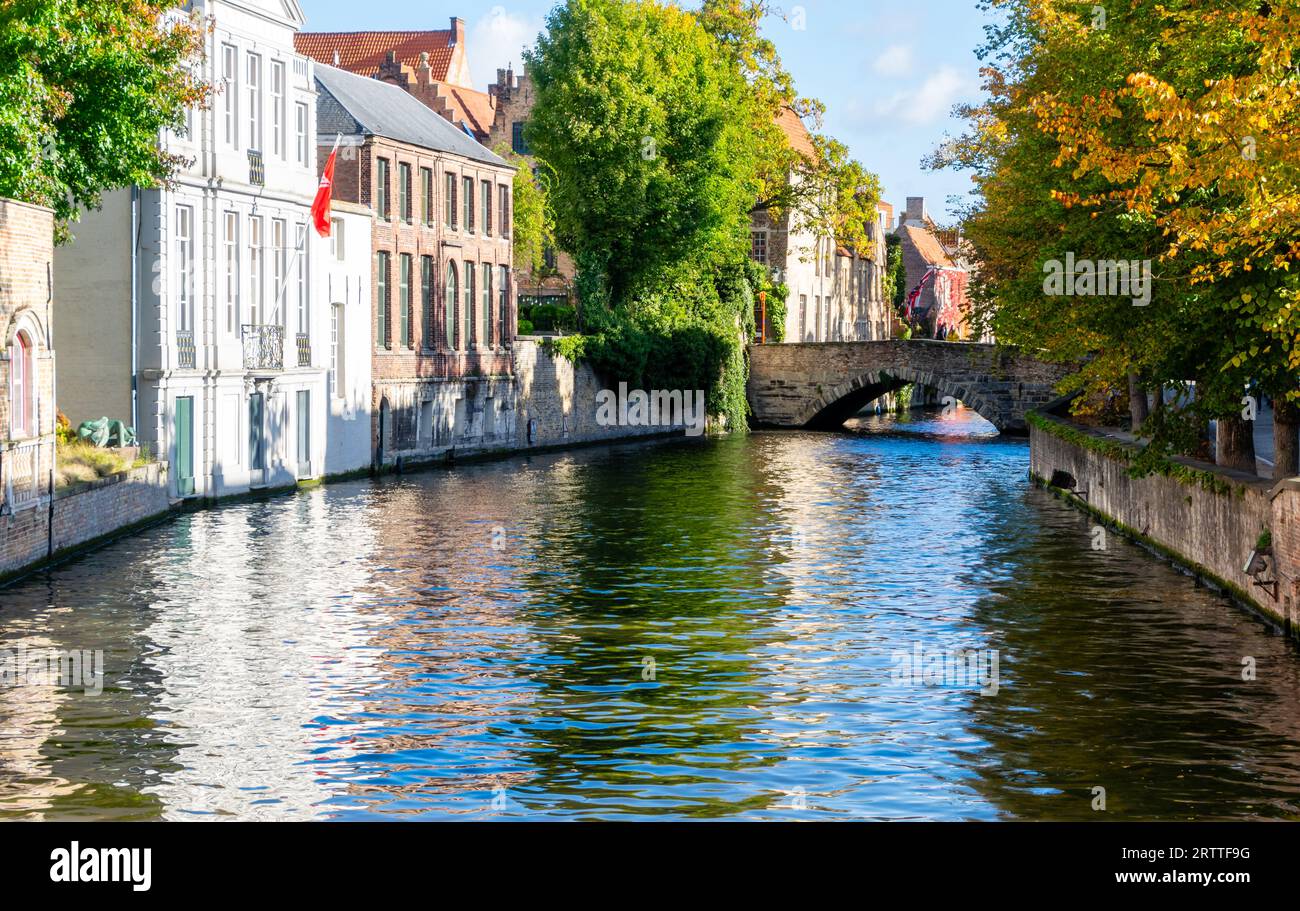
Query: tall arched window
x,y
449,305
486,310
21,387
467,317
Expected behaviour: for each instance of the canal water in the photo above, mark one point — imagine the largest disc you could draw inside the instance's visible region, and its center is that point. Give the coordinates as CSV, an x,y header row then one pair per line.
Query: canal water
x,y
888,623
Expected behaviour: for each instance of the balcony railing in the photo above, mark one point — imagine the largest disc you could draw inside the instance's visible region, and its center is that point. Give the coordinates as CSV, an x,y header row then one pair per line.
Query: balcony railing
x,y
304,350
263,348
25,470
186,351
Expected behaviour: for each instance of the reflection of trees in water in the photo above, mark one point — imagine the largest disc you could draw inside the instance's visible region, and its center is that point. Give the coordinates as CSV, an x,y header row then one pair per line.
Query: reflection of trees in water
x,y
649,554
1111,659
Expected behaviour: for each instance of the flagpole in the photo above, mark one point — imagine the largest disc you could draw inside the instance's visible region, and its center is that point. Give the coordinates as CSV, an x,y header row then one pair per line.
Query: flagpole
x,y
299,250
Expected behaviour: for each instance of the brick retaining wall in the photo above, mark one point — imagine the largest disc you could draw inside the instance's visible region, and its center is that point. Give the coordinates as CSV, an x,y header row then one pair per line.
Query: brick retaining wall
x,y
1211,532
82,515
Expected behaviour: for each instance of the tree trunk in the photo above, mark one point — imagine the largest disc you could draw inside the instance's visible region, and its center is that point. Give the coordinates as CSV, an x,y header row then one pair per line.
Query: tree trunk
x,y
1137,401
1286,430
1235,444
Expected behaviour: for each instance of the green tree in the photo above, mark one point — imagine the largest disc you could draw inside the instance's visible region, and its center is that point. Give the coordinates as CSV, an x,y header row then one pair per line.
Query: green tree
x,y
1053,154
638,122
85,88
532,223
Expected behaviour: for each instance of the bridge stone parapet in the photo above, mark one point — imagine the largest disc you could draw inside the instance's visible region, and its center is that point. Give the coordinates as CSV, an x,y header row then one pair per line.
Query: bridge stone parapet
x,y
821,385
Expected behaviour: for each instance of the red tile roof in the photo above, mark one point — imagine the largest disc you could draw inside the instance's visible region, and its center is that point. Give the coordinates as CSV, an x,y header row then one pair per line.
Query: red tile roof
x,y
796,133
362,52
476,108
927,245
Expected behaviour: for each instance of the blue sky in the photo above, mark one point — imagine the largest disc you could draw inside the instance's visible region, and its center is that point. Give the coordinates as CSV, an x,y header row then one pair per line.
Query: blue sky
x,y
888,72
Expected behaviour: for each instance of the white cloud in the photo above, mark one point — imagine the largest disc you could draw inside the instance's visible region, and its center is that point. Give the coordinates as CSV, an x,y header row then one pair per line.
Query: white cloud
x,y
930,101
497,41
895,61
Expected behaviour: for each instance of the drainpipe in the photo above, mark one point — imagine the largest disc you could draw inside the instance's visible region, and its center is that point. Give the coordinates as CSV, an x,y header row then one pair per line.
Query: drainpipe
x,y
54,397
135,302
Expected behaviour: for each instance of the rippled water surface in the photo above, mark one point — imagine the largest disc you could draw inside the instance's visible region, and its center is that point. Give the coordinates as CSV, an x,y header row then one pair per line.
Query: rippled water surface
x,y
697,629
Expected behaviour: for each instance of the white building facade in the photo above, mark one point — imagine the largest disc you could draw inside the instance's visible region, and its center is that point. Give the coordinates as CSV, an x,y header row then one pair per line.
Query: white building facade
x,y
200,301
344,287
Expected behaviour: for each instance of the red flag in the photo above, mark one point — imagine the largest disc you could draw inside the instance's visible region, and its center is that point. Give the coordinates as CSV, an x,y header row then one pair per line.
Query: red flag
x,y
320,209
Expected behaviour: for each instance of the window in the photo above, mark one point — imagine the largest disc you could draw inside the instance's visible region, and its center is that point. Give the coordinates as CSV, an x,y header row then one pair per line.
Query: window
x,y
277,107
426,196
279,262
300,119
486,202
404,191
253,81
451,201
404,298
486,318
503,291
336,239
229,94
758,246
467,318
517,138
300,279
449,306
427,288
549,260
304,433
336,349
384,299
256,285
22,382
381,188
468,187
230,247
504,193
256,432
184,269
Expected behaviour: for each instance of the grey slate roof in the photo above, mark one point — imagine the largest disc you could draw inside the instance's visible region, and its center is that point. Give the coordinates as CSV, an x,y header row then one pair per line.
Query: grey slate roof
x,y
352,105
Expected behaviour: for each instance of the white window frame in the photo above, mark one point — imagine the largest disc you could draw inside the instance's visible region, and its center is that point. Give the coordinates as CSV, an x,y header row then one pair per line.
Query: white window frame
x,y
300,279
253,81
183,233
279,265
256,268
230,93
300,119
230,246
22,383
278,109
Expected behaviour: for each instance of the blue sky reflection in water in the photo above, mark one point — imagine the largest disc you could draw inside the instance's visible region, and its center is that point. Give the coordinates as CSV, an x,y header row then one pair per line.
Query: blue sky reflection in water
x,y
695,630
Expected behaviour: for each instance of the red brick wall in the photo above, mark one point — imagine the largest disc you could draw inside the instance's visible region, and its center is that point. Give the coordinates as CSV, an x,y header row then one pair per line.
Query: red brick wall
x,y
26,254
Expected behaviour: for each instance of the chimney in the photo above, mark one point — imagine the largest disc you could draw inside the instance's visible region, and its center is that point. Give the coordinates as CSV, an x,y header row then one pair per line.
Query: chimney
x,y
457,32
336,56
916,209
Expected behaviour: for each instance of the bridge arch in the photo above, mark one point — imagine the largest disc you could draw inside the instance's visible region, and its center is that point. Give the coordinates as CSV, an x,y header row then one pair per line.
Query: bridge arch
x,y
820,385
837,404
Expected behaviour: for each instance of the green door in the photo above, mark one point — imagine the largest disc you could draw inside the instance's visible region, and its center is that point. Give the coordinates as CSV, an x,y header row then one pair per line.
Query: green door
x,y
185,446
304,433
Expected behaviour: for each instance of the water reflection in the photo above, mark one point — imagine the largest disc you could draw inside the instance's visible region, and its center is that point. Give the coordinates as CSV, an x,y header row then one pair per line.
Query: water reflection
x,y
702,629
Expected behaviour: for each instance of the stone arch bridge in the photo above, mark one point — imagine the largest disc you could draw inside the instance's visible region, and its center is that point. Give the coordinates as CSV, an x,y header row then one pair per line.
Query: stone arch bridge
x,y
821,385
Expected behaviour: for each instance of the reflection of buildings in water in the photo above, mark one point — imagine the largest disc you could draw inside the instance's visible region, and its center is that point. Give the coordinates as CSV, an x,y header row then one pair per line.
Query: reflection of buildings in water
x,y
450,648
29,720
259,635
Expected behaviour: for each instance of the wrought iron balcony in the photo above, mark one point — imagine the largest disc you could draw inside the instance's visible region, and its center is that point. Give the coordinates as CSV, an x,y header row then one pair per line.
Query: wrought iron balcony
x,y
186,352
263,348
304,350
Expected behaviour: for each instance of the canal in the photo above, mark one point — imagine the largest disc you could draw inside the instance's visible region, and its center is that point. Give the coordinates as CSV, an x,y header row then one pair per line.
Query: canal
x,y
707,629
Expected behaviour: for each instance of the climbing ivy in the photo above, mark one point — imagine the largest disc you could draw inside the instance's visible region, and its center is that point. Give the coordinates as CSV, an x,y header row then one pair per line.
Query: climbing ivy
x,y
1140,462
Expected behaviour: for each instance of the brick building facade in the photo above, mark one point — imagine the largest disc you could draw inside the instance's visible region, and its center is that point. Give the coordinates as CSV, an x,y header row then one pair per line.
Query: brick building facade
x,y
27,409
444,314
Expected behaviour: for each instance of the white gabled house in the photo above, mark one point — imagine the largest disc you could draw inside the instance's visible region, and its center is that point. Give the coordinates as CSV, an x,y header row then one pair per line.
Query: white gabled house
x,y
197,306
